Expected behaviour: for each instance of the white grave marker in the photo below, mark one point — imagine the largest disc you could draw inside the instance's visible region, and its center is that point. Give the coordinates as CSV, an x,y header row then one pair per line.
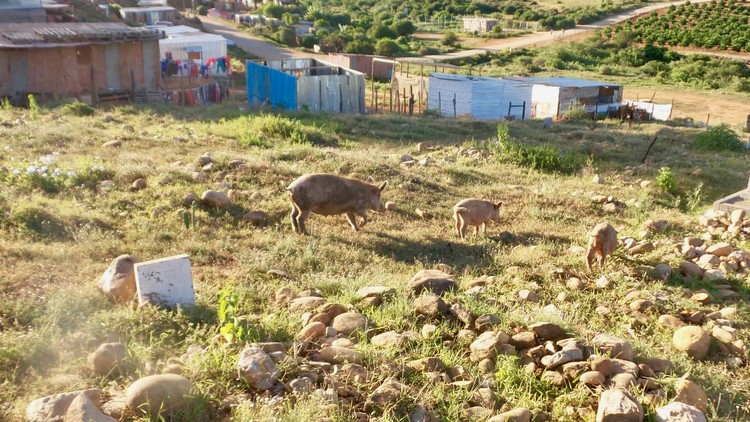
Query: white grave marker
x,y
166,281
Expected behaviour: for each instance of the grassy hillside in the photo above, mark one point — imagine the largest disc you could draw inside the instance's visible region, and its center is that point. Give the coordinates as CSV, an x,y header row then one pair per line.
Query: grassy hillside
x,y
59,232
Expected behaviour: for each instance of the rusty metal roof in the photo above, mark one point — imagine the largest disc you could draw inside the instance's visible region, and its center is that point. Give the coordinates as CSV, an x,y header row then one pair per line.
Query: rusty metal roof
x,y
17,35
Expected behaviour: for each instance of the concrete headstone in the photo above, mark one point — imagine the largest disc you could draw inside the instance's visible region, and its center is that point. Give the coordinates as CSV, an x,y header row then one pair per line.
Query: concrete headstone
x,y
166,281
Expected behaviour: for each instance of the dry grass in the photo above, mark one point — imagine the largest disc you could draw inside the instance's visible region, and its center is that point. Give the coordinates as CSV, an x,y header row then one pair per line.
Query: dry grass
x,y
44,340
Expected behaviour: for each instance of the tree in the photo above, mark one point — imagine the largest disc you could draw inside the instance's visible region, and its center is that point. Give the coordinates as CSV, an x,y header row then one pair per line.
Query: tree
x,y
359,47
381,31
404,27
273,10
287,36
387,47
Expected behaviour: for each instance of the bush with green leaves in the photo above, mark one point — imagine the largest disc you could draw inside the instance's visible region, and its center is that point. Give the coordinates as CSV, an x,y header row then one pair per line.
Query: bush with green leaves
x,y
544,158
719,139
77,108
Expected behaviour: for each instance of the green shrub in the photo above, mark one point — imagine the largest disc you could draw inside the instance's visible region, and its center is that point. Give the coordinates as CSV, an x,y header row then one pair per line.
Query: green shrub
x,y
77,108
718,138
666,181
543,158
34,108
576,113
201,10
37,222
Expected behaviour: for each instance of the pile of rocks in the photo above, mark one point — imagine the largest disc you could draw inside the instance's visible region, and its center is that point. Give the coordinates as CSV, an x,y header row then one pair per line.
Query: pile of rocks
x,y
727,226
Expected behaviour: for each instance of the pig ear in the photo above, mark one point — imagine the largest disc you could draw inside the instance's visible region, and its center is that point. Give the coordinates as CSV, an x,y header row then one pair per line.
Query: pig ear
x,y
370,180
382,186
497,205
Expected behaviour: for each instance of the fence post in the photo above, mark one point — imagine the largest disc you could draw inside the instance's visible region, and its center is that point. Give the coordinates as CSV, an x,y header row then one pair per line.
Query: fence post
x,y
411,100
440,104
523,111
454,105
375,98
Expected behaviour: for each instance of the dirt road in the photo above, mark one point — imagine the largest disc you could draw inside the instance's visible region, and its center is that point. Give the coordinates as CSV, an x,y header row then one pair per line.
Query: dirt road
x,y
252,44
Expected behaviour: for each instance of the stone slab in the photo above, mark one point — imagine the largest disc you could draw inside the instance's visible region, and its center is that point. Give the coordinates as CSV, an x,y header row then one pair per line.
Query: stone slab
x,y
166,281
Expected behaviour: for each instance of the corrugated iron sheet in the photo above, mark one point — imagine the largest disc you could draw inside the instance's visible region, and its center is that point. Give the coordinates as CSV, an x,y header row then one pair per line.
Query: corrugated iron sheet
x,y
479,97
212,46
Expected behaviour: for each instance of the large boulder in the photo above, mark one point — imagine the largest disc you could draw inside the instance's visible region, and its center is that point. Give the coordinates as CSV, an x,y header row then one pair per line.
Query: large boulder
x,y
618,406
118,281
257,368
53,408
158,394
215,199
83,409
434,281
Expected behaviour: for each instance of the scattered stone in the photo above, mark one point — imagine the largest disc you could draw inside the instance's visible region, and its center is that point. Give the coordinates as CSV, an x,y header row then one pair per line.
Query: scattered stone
x,y
255,217
477,413
597,180
592,378
529,296
487,345
679,412
431,364
720,249
516,415
462,314
387,393
378,291
670,321
618,406
691,393
312,331
547,331
656,226
389,339
430,305
107,358
428,330
434,281
83,409
215,198
603,282
138,184
486,322
390,206
118,281
349,322
54,408
693,340
523,340
336,354
616,347
158,394
575,283
421,213
641,248
112,144
257,369
561,357
714,275
301,385
306,303
702,298
554,378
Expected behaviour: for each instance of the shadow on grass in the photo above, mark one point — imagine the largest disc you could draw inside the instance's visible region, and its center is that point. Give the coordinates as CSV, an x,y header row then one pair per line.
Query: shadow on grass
x,y
430,249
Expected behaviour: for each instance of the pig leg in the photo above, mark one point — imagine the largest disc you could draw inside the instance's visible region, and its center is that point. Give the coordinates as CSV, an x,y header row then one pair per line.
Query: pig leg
x,y
295,213
301,221
602,257
364,219
352,220
590,258
464,227
457,221
484,229
476,231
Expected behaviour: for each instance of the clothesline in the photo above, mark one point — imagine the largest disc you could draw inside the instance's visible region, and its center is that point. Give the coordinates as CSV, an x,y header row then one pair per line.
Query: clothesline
x,y
212,66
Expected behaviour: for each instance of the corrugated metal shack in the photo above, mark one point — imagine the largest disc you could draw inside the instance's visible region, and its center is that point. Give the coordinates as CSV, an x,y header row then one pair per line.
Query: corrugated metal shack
x,y
552,97
479,97
376,67
84,60
183,40
310,84
148,15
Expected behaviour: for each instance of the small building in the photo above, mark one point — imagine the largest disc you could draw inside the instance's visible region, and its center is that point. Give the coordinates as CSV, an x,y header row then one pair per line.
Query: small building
x,y
24,11
479,24
309,84
82,60
185,43
148,15
303,28
376,67
479,97
552,97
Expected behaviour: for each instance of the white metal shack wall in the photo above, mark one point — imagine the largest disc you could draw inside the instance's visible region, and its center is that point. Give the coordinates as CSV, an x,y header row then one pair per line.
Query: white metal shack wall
x,y
491,99
545,101
442,92
211,48
334,94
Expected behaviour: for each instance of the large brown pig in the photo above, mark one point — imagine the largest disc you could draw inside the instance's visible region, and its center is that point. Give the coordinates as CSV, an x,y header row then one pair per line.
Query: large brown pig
x,y
475,212
328,194
602,241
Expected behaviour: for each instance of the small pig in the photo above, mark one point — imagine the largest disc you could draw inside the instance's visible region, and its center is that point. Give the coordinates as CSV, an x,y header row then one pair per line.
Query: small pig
x,y
328,194
602,241
475,212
